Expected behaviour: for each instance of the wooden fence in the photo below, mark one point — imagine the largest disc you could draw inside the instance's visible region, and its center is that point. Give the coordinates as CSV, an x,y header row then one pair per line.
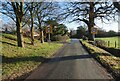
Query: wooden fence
x,y
112,44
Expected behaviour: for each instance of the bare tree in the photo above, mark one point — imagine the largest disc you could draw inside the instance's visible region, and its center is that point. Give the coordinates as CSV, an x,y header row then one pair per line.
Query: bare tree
x,y
116,4
10,26
88,11
44,11
16,11
30,20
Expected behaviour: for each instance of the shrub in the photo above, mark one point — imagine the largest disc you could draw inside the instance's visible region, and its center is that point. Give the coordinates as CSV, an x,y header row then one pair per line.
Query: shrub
x,y
85,38
100,43
59,38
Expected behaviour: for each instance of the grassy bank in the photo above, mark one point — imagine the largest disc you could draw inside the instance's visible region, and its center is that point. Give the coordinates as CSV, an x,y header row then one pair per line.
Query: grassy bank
x,y
18,61
111,62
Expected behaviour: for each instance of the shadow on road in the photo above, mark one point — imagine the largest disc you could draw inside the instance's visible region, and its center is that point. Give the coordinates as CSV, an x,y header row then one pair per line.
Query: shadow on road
x,y
43,59
65,58
22,59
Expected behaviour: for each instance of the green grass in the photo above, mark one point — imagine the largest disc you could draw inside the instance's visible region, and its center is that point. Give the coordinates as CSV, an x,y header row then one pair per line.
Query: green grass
x,y
112,41
104,57
17,61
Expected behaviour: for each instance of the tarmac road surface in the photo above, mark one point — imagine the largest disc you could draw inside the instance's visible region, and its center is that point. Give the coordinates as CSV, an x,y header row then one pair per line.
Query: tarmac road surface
x,y
71,62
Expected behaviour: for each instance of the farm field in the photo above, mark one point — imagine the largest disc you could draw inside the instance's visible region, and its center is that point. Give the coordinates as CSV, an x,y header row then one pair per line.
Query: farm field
x,y
112,41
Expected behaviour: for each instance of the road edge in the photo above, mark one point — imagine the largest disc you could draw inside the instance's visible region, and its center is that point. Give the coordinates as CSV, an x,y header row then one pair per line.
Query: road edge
x,y
107,68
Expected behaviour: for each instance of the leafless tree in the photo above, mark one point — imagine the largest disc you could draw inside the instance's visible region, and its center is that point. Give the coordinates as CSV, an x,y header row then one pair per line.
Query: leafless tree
x,y
116,4
88,11
44,11
30,18
16,11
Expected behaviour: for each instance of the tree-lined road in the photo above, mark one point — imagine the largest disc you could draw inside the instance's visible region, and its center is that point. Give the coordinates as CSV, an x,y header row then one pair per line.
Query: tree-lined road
x,y
71,62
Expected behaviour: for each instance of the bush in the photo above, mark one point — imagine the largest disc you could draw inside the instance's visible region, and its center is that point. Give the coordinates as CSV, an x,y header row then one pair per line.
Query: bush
x,y
84,38
100,43
59,38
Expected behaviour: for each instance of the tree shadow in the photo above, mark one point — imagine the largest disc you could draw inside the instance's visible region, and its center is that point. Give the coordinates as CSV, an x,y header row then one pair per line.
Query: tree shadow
x,y
39,59
14,39
42,59
9,60
65,58
102,54
27,43
8,43
113,51
22,59
7,37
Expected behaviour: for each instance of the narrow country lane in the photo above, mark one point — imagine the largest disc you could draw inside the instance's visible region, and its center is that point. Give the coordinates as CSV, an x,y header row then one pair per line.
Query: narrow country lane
x,y
71,62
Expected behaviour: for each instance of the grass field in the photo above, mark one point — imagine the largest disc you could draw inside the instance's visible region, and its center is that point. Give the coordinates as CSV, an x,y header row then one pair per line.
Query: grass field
x,y
17,61
112,41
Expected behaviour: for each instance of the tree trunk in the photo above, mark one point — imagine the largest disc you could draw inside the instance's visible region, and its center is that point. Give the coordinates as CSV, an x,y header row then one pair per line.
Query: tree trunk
x,y
32,30
91,20
41,31
42,37
32,23
19,32
116,4
18,10
90,36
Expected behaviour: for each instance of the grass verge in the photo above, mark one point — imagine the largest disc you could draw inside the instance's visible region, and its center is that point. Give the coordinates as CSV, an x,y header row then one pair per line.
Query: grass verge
x,y
17,61
109,61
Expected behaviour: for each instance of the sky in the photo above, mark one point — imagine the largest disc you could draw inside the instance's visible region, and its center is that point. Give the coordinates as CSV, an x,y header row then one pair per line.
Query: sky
x,y
113,25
